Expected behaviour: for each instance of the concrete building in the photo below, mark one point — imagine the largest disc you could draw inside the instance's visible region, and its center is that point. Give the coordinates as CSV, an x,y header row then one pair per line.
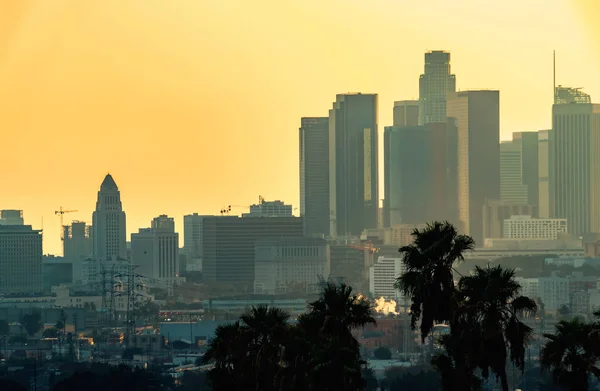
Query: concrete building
x,y
529,146
526,227
77,245
495,212
512,188
434,86
156,251
193,239
420,179
11,217
56,271
477,116
575,172
314,175
109,234
226,245
269,209
20,260
353,169
290,265
406,113
382,277
350,264
544,164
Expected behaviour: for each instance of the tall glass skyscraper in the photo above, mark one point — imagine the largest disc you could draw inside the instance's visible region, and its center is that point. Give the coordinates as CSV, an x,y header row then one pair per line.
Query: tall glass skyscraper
x,y
434,86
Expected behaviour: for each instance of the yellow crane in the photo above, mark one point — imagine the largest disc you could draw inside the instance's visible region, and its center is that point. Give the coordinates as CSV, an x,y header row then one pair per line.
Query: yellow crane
x,y
61,212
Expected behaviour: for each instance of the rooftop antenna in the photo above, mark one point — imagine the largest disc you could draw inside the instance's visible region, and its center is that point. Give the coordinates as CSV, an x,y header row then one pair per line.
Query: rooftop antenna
x,y
554,73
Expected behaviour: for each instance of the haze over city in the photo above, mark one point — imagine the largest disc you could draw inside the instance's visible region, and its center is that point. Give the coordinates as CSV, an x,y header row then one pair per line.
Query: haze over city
x,y
176,99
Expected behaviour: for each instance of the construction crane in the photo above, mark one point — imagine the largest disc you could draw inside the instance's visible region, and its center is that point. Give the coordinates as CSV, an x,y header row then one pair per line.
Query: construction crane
x,y
61,212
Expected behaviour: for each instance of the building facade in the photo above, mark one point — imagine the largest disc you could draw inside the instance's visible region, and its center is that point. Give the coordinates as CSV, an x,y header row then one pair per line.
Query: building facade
x,y
529,146
544,164
496,211
314,175
512,188
290,265
109,234
156,251
575,173
382,277
434,85
353,169
269,209
11,217
20,260
406,113
477,116
526,227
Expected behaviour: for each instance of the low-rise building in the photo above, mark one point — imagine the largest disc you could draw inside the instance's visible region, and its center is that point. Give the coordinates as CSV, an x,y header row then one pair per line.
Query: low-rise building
x,y
526,227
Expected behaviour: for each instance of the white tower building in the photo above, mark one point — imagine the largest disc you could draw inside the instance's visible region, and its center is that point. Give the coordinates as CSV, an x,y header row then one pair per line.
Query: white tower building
x,y
109,223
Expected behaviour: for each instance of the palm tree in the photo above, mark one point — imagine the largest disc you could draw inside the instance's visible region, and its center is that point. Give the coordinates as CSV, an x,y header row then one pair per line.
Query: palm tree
x,y
491,302
572,353
428,281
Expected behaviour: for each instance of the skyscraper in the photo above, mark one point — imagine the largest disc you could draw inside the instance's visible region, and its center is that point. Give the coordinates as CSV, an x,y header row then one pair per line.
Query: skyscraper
x,y
420,173
529,144
109,235
434,86
512,189
477,116
575,163
11,217
314,175
406,113
544,164
353,170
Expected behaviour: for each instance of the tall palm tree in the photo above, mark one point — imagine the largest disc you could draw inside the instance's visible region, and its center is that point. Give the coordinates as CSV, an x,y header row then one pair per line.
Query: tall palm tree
x,y
428,281
572,354
490,297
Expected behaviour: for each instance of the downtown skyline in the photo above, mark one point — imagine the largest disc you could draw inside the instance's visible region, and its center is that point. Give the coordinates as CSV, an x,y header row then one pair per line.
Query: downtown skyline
x,y
96,118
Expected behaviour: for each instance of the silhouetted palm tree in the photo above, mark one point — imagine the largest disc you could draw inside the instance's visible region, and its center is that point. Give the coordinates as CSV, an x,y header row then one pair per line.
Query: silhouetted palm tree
x,y
572,354
491,303
428,281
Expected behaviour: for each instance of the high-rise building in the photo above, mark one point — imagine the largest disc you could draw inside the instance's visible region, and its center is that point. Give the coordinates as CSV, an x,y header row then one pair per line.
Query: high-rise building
x,y
156,250
529,144
353,169
512,188
226,245
406,113
544,164
575,170
77,243
109,235
11,217
20,260
434,86
477,116
314,175
420,165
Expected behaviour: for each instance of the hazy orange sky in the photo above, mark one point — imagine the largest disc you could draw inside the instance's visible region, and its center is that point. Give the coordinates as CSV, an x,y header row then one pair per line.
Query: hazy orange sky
x,y
195,104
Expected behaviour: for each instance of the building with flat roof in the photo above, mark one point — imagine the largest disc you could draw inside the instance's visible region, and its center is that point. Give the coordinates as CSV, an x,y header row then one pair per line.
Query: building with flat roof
x,y
406,113
526,227
383,275
269,209
20,260
434,85
11,217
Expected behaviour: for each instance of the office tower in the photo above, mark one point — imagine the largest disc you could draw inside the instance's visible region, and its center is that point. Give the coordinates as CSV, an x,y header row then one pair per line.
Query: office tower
x,y
575,170
227,245
353,169
314,175
269,209
77,243
529,143
109,236
406,113
11,217
496,211
512,189
544,158
156,250
163,222
20,260
477,116
434,86
420,173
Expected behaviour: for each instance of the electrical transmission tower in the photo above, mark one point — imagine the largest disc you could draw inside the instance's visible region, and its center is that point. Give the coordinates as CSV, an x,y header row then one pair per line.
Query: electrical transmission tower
x,y
107,287
131,295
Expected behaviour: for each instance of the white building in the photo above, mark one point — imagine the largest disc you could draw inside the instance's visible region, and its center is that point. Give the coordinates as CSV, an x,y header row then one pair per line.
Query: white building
x,y
156,251
526,227
382,277
109,237
290,264
553,290
269,209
